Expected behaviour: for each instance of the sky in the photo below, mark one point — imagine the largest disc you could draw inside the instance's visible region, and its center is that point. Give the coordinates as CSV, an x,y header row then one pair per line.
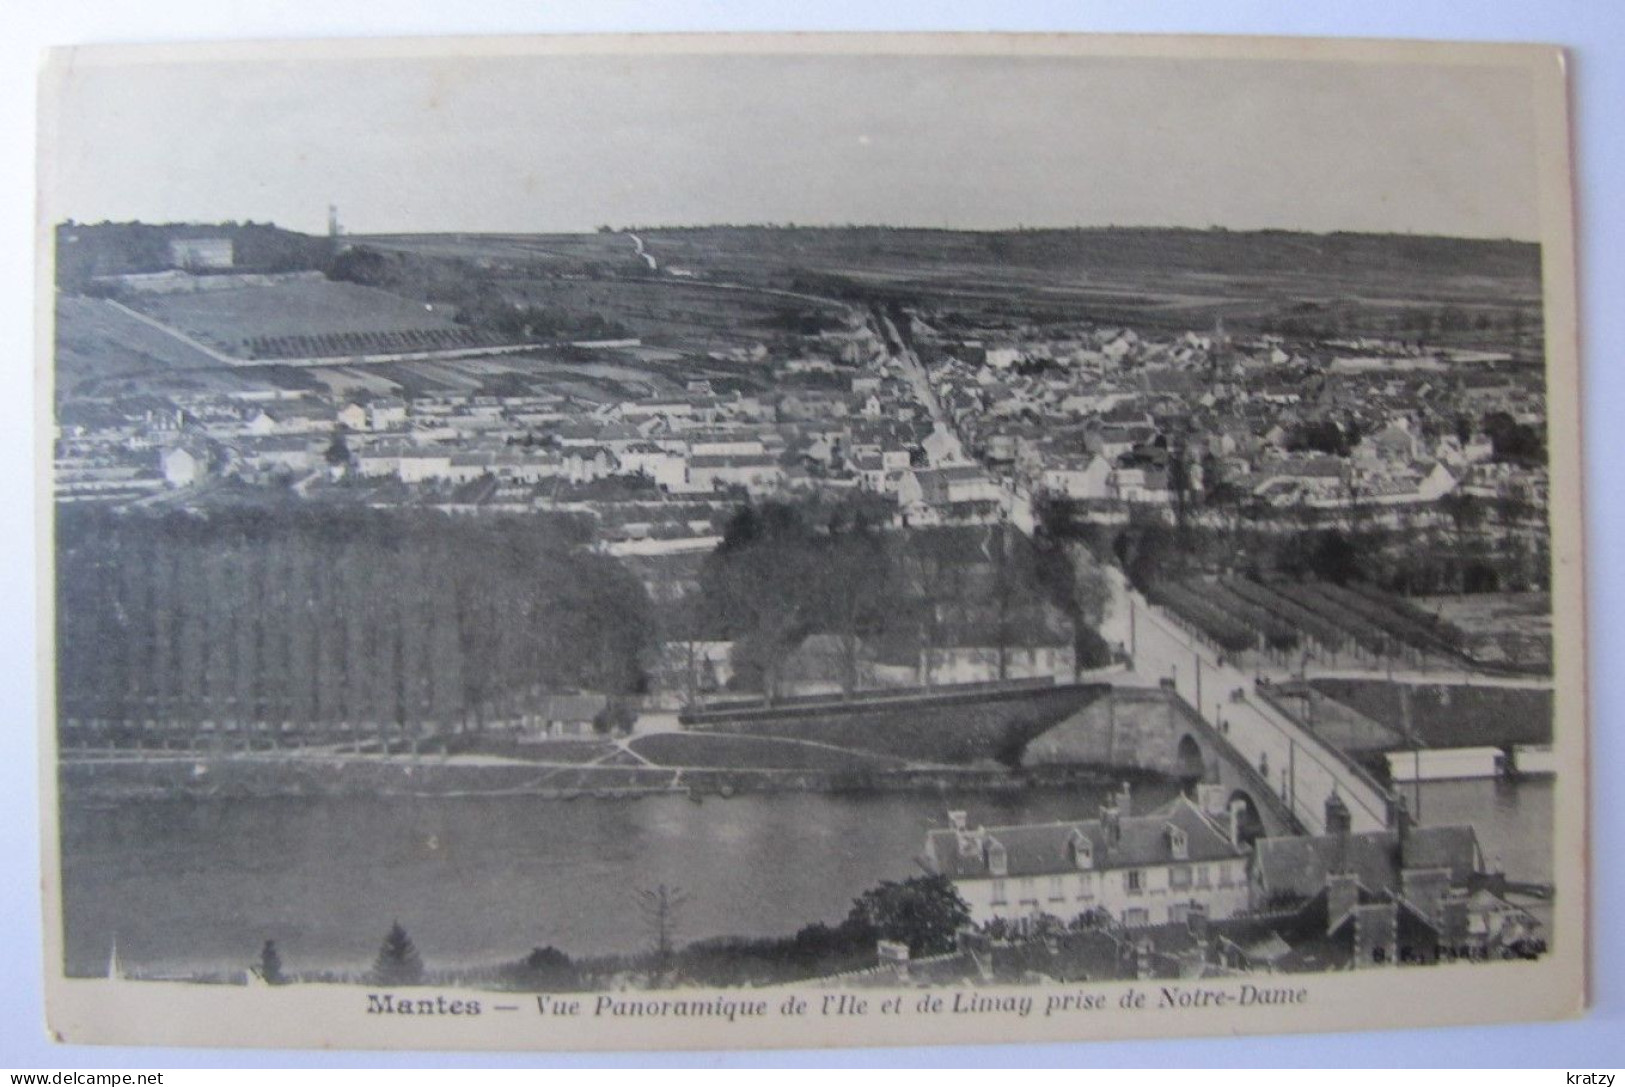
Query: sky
x,y
566,143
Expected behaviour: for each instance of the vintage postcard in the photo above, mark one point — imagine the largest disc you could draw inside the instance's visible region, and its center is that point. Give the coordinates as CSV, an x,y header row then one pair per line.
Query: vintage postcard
x,y
627,542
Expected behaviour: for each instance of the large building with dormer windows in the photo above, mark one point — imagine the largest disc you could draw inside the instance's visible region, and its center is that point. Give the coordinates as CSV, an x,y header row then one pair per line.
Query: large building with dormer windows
x,y
1141,869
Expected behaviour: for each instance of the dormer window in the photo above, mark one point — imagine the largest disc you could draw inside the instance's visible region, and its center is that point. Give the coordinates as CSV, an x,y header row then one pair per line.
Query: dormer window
x,y
1081,850
1178,844
998,861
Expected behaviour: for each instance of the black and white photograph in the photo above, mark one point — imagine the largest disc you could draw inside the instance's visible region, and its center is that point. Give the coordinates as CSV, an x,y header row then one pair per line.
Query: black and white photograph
x,y
613,542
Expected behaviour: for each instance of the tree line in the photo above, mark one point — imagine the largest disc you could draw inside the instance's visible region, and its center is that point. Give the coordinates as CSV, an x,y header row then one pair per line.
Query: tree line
x,y
86,250
786,571
407,620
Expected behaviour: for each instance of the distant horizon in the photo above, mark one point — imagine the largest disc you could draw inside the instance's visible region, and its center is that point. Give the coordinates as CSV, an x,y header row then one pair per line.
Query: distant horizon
x,y
914,227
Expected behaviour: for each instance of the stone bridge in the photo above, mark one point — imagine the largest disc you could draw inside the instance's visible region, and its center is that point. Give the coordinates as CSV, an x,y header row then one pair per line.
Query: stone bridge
x,y
1154,729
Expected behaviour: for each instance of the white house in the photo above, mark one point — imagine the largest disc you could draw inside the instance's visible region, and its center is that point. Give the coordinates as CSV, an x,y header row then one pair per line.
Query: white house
x,y
419,465
353,416
1142,870
182,467
948,486
1436,484
1078,478
386,414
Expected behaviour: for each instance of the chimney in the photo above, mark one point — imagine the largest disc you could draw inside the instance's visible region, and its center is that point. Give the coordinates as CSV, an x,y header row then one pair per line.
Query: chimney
x,y
1338,820
1453,920
1399,820
1425,889
1376,935
1234,827
1342,895
1126,799
1111,825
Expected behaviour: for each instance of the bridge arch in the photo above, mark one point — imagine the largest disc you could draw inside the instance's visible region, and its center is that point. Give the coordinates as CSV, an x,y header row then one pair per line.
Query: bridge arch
x,y
1250,821
1190,762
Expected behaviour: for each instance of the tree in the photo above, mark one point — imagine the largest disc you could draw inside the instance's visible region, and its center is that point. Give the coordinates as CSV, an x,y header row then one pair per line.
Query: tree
x,y
398,962
1073,581
1513,441
545,969
855,593
757,584
661,907
616,718
1014,590
1334,558
338,452
925,912
269,969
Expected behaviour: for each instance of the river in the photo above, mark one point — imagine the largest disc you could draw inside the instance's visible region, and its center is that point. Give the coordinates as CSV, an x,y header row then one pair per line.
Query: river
x,y
1513,819
197,886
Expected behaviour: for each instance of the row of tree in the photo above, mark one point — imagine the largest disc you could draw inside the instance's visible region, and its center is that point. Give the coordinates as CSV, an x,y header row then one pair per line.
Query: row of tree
x,y
409,619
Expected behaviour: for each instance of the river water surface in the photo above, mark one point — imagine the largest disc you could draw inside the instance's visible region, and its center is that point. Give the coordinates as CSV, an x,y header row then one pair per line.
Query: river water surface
x,y
193,886
199,885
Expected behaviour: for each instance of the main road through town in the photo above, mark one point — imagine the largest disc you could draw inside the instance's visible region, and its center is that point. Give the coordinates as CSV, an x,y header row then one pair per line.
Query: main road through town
x,y
1304,769
914,371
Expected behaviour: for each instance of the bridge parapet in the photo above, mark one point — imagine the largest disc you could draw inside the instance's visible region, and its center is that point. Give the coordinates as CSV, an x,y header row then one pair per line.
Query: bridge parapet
x,y
1371,804
1237,773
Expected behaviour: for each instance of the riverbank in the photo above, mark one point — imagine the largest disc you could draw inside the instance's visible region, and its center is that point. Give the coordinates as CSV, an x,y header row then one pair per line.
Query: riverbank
x,y
123,776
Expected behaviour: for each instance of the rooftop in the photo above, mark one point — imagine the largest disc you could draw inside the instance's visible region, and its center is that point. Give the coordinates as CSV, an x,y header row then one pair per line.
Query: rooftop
x,y
1047,848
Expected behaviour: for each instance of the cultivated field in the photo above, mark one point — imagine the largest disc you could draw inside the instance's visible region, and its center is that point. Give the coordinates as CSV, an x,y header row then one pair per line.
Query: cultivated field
x,y
1282,618
99,347
307,317
1512,627
1175,278
543,252
1340,284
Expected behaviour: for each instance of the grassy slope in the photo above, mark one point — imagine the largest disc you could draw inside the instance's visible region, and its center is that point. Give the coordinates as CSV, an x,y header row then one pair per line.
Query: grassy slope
x,y
1451,715
961,730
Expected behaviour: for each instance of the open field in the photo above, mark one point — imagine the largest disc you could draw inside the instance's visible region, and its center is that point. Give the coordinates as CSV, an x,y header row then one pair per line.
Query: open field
x,y
1440,288
666,311
98,346
1180,278
1515,628
542,252
262,321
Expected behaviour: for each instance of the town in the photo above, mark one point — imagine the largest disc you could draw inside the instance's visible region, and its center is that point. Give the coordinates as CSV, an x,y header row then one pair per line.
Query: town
x,y
700,513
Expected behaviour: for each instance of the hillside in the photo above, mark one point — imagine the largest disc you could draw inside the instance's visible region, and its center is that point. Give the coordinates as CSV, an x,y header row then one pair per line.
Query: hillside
x,y
86,250
1267,281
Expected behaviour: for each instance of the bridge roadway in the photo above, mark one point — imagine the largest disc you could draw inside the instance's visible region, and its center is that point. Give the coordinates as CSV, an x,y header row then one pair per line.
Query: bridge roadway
x,y
1303,768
